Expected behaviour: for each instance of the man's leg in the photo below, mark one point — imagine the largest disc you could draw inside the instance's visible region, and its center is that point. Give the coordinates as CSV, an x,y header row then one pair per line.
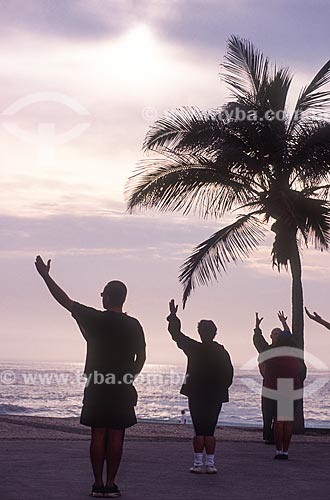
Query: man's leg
x,y
115,439
97,453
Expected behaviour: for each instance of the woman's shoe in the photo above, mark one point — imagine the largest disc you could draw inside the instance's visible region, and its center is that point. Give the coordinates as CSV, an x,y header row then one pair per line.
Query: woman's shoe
x,y
210,469
197,469
97,491
111,491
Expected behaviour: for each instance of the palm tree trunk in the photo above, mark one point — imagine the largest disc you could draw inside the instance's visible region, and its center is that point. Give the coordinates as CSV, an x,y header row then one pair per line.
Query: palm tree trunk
x,y
297,323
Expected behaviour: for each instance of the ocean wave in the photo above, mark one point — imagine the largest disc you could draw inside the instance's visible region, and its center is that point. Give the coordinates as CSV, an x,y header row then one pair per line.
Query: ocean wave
x,y
161,403
6,409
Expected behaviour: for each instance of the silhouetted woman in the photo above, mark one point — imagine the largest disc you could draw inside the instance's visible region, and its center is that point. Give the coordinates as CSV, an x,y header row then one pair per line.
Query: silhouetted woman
x,y
284,364
209,374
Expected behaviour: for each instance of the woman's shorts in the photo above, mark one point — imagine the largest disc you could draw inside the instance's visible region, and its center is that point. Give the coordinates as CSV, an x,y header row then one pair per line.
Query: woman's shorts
x,y
109,406
204,415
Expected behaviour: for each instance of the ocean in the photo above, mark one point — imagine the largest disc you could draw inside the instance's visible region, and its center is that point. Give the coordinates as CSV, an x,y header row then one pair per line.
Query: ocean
x,y
55,390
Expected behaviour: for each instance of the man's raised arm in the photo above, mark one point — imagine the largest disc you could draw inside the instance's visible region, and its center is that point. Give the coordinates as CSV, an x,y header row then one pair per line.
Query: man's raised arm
x,y
283,320
174,323
316,317
59,295
258,339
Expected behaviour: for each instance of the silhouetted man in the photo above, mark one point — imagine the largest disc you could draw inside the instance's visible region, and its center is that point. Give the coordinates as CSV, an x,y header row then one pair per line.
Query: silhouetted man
x,y
115,355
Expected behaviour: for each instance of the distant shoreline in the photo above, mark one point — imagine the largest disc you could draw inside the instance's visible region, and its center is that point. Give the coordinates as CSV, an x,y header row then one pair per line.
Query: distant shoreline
x,y
69,428
181,366
150,421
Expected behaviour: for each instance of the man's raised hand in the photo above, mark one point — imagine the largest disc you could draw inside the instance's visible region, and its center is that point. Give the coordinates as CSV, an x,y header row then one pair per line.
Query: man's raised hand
x,y
258,320
314,316
174,322
42,268
173,307
282,317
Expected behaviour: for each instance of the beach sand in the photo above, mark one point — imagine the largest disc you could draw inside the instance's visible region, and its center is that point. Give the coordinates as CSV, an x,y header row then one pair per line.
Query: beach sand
x,y
47,458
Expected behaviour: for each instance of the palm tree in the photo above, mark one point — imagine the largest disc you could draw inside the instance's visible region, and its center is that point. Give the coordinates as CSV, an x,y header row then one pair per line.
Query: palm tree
x,y
251,157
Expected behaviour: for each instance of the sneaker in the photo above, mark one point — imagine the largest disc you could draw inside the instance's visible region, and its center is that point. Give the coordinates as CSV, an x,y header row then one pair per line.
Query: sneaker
x,y
210,469
111,491
97,491
197,469
281,457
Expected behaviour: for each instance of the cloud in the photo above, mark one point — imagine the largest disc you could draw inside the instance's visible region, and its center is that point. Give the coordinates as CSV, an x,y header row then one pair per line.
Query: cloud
x,y
145,251
81,20
113,233
71,206
124,81
130,83
139,237
74,19
291,32
315,264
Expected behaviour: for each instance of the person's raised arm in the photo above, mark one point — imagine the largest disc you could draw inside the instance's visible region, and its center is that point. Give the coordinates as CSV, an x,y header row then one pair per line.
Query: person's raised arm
x,y
174,323
59,295
258,322
174,327
316,317
283,321
258,339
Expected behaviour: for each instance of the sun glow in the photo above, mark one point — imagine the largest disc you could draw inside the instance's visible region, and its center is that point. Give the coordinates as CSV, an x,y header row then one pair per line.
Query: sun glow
x,y
129,62
140,38
136,53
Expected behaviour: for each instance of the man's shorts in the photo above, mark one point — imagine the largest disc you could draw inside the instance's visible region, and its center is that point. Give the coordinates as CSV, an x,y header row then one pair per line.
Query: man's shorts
x,y
109,406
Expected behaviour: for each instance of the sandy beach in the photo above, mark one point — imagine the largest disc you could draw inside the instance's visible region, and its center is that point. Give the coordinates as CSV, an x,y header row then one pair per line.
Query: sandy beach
x,y
24,427
47,458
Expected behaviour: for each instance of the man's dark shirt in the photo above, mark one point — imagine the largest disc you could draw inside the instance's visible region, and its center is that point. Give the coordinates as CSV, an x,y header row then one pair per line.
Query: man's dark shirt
x,y
113,340
209,369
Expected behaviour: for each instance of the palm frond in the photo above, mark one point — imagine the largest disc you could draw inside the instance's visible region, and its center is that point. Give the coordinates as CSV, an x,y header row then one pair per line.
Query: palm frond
x,y
309,152
230,244
311,100
186,127
246,69
285,238
278,87
314,223
186,183
307,219
322,191
256,147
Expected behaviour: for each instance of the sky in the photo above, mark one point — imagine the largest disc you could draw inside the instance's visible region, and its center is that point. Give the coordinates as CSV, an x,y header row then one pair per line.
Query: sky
x,y
82,81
